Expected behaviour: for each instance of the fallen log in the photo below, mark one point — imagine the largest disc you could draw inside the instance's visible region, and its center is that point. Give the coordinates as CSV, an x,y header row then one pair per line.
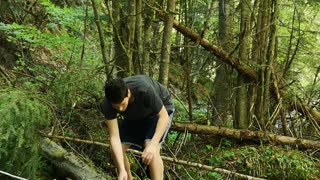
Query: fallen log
x,y
168,159
246,135
69,163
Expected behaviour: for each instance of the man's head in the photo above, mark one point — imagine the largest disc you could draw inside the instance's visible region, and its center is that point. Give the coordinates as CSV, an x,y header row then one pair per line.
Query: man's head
x,y
117,92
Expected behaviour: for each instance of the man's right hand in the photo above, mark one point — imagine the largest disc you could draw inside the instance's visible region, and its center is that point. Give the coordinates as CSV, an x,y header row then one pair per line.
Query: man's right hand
x,y
123,175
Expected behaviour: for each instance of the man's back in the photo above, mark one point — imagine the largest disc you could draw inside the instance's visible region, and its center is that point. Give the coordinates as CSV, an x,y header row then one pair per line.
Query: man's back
x,y
148,98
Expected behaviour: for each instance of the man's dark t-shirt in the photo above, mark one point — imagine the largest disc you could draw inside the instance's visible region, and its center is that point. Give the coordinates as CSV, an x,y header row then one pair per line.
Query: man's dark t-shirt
x,y
149,97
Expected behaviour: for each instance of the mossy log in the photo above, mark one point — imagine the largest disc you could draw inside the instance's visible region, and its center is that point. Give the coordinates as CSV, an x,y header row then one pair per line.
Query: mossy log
x,y
68,162
246,135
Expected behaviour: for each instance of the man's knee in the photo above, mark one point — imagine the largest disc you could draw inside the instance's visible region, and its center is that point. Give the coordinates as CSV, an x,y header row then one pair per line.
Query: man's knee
x,y
156,160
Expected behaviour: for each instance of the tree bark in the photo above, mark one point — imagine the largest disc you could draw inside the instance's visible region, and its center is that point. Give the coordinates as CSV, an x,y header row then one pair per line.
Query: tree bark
x,y
131,35
222,83
166,44
242,109
101,36
122,55
137,55
149,16
246,134
69,163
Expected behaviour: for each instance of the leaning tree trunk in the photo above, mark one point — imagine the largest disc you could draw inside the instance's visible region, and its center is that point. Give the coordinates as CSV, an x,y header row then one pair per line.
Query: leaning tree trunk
x,y
69,163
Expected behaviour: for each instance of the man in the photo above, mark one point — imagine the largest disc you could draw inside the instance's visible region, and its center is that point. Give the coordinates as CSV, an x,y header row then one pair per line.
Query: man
x,y
147,110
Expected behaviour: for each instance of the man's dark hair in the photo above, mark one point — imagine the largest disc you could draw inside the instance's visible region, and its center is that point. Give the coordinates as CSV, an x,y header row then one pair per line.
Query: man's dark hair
x,y
115,90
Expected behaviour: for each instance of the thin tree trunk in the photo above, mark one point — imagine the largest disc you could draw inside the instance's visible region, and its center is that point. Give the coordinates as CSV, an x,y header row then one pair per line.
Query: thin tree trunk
x,y
84,37
149,15
101,36
166,44
131,36
187,60
137,54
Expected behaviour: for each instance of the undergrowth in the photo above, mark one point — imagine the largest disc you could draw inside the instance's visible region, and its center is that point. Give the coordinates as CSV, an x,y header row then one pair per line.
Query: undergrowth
x,y
264,161
22,114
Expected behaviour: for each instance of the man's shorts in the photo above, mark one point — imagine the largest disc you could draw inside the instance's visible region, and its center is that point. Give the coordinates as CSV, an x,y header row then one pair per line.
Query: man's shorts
x,y
136,133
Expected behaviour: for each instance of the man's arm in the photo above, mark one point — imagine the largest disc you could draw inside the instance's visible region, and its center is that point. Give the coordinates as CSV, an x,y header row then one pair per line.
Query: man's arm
x,y
116,144
161,125
153,146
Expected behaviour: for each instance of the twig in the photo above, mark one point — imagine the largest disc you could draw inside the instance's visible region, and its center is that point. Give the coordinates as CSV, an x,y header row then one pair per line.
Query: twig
x,y
13,176
5,75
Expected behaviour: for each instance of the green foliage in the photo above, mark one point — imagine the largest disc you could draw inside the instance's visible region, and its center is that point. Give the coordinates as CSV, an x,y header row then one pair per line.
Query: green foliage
x,y
29,36
22,114
180,113
70,18
214,175
76,86
267,162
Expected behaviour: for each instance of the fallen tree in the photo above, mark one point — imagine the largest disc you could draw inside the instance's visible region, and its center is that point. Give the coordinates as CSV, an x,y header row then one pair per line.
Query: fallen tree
x,y
168,159
246,135
246,71
67,162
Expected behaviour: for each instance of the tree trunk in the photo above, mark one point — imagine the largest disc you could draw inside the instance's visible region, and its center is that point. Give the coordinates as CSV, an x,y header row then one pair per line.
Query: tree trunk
x,y
223,79
242,109
149,15
101,36
69,163
246,134
120,52
123,37
137,55
259,47
166,43
187,62
131,35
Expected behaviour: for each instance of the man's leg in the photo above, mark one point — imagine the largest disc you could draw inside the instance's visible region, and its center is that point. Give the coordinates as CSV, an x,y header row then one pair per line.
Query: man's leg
x,y
156,166
125,147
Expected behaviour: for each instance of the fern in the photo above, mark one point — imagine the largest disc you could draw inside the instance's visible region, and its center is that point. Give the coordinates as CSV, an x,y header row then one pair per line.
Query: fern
x,y
21,115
